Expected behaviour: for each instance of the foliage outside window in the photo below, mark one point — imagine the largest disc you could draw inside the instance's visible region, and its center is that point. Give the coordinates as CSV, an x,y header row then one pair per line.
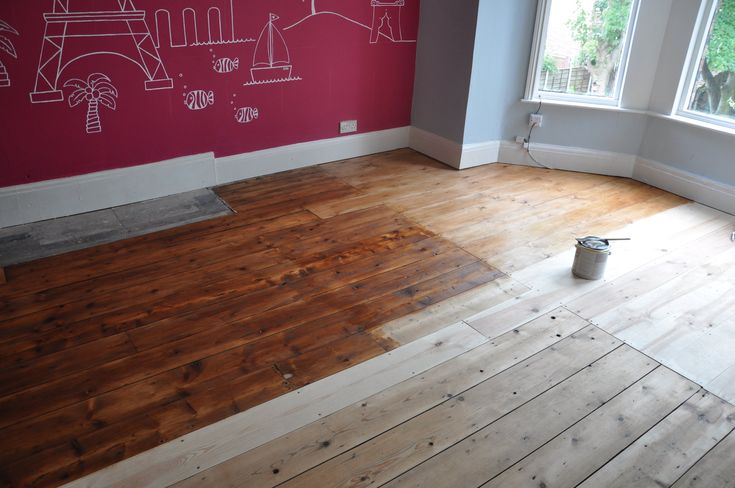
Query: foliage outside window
x,y
713,90
585,48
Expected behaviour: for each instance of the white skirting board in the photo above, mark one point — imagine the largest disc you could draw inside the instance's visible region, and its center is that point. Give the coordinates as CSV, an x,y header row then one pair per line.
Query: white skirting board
x,y
454,154
694,187
249,165
569,158
68,196
702,190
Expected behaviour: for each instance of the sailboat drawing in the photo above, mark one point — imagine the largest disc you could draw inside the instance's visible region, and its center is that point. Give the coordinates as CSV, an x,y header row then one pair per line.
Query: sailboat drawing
x,y
271,61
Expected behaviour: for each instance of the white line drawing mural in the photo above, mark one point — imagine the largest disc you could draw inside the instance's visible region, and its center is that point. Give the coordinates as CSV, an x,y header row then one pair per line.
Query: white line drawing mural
x,y
121,32
7,46
226,65
245,115
97,90
387,22
271,61
199,99
182,28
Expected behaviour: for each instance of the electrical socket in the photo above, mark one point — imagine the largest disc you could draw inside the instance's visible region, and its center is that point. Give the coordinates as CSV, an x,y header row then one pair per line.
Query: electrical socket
x,y
522,141
347,126
536,120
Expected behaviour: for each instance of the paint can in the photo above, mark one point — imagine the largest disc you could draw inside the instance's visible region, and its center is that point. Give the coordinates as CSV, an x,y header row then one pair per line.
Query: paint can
x,y
591,257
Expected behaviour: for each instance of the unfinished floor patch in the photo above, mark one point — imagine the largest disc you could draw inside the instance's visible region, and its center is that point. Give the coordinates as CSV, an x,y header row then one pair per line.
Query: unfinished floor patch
x,y
23,243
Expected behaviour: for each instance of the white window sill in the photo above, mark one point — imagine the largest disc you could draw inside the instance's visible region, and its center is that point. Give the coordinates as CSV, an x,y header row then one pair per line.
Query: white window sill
x,y
612,108
589,106
696,123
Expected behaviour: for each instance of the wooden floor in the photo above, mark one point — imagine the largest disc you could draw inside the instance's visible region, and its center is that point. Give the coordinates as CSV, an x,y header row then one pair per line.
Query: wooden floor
x,y
111,351
554,403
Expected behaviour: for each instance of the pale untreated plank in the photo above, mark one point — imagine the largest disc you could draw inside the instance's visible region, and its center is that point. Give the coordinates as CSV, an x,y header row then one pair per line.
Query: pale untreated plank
x,y
316,443
579,451
715,470
493,449
411,327
667,451
383,458
184,457
553,284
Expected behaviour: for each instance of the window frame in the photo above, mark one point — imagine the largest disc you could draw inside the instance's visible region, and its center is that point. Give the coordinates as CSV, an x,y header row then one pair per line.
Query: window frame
x,y
700,37
535,67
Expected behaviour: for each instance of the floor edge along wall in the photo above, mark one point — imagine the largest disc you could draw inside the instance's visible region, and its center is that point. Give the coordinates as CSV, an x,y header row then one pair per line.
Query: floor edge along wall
x,y
69,196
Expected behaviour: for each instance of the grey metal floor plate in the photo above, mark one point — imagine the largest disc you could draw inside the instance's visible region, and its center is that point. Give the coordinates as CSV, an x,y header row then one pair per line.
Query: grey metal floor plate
x,y
23,243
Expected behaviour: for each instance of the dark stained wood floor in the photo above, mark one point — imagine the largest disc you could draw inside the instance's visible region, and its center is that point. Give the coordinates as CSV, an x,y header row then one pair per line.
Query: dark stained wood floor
x,y
113,350
110,351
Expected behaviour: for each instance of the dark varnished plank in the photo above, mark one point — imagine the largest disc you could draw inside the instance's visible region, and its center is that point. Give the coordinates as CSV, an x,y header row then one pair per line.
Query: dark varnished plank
x,y
143,251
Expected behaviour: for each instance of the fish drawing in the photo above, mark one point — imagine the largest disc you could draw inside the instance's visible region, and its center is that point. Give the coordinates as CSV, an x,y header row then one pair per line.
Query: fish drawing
x,y
246,115
199,99
226,65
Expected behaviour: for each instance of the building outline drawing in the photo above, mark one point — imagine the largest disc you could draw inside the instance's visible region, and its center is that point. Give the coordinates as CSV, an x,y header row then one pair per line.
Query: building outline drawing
x,y
64,25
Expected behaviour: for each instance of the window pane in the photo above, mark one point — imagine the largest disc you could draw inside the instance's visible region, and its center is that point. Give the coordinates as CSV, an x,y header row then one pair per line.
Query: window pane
x,y
714,87
585,42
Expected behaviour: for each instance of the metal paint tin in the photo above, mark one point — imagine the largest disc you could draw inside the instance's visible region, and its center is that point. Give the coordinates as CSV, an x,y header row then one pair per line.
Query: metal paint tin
x,y
590,258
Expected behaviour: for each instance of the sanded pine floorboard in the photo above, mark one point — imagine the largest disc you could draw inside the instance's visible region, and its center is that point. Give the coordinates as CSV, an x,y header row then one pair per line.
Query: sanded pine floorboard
x,y
176,461
378,259
397,450
715,470
493,449
189,370
556,241
579,451
114,321
407,194
295,196
543,222
229,284
215,333
72,268
115,255
668,450
52,275
193,325
553,284
263,253
674,310
315,443
16,377
468,217
459,307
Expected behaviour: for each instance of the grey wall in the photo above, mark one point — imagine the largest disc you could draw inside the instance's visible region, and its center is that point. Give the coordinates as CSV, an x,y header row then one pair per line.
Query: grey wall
x,y
700,151
495,112
444,66
469,86
500,63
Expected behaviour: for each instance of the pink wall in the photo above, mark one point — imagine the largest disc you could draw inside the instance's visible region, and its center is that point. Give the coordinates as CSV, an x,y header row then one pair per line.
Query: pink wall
x,y
339,69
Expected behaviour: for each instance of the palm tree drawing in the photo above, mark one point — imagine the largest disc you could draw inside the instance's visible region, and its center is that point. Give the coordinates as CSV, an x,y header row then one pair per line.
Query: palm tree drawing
x,y
98,89
7,46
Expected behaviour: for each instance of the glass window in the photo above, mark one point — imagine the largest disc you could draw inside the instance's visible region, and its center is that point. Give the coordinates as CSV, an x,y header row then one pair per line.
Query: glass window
x,y
583,46
712,87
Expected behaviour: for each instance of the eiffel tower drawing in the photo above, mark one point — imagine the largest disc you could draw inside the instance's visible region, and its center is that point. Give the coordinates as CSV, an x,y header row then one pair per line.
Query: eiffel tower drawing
x,y
72,35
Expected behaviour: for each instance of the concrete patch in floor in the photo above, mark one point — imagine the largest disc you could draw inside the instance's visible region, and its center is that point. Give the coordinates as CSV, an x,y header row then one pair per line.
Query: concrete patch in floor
x,y
23,243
